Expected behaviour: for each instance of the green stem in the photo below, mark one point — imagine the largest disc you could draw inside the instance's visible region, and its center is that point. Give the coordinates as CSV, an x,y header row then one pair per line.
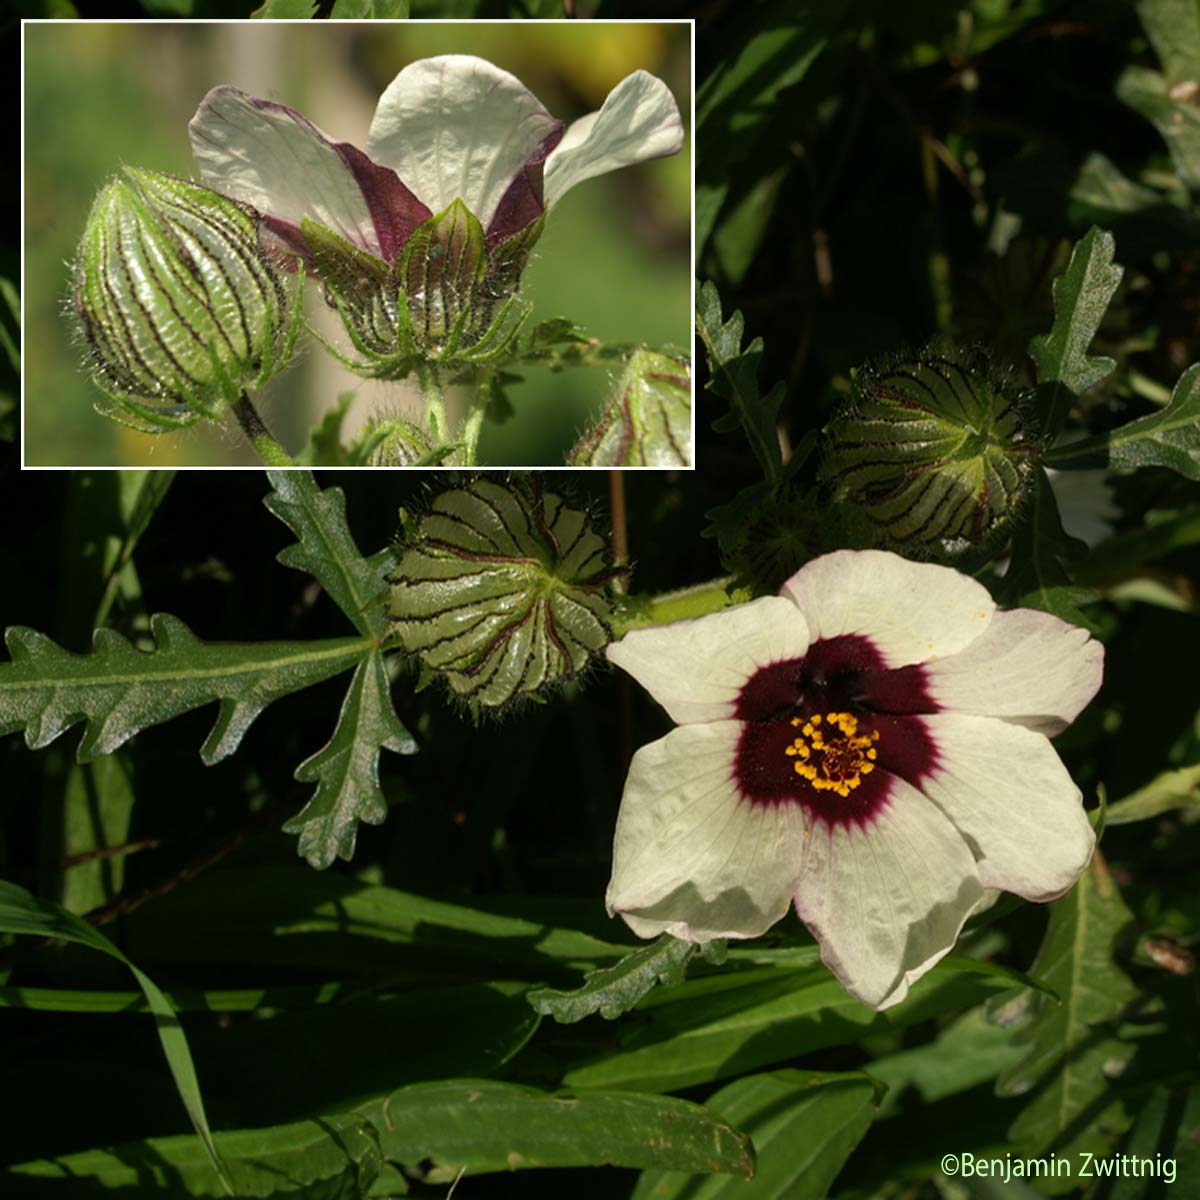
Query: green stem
x,y
588,353
472,426
434,402
257,434
637,612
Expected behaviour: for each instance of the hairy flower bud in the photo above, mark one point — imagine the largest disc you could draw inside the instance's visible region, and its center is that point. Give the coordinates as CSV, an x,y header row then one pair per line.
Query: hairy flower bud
x,y
396,443
934,451
648,422
503,590
447,298
180,309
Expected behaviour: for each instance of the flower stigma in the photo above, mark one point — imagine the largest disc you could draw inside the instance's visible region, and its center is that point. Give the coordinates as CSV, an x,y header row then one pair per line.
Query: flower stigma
x,y
834,758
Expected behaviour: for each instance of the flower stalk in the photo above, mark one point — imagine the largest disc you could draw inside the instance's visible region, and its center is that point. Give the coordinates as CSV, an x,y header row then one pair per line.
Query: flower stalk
x,y
258,435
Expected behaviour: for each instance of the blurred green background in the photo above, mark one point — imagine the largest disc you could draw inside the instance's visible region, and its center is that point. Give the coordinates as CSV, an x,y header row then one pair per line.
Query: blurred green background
x,y
615,257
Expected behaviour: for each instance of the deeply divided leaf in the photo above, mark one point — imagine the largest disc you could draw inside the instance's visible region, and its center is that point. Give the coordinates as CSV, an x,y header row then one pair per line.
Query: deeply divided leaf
x,y
1169,438
733,375
611,991
1081,296
119,690
326,549
346,770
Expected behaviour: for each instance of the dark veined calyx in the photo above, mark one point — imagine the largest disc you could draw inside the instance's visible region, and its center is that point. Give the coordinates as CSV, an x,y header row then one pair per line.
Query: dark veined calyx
x,y
648,421
503,589
179,308
448,297
935,451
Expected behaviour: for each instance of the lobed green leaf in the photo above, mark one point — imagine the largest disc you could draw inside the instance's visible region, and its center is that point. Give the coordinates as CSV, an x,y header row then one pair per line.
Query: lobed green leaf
x,y
346,769
1081,297
611,991
733,375
1168,438
326,549
120,690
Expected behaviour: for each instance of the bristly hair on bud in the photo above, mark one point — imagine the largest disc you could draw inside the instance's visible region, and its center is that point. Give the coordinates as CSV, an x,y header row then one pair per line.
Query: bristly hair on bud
x,y
448,298
648,421
179,308
935,451
503,590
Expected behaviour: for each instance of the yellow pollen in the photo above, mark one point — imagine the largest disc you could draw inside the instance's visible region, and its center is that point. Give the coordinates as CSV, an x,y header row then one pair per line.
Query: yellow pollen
x,y
836,758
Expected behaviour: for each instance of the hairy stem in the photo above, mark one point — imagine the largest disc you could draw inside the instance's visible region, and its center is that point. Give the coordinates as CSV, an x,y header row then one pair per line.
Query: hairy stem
x,y
257,434
434,403
472,425
696,601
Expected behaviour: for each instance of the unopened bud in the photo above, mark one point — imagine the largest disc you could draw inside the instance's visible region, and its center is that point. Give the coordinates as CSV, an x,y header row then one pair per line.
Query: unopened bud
x,y
447,298
648,422
180,309
935,451
396,443
503,590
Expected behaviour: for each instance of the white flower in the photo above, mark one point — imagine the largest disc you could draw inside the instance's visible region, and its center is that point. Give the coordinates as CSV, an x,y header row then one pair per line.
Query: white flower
x,y
872,745
449,128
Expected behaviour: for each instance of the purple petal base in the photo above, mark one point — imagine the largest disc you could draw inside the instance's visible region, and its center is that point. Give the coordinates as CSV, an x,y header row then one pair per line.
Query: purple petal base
x,y
841,674
522,203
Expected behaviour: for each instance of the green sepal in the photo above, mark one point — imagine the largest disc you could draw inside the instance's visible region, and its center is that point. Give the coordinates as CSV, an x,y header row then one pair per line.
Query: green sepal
x,y
648,421
935,450
447,299
503,590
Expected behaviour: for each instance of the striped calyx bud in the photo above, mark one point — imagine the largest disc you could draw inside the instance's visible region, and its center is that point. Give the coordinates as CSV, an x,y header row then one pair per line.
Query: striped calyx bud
x,y
935,451
503,590
396,443
179,308
448,297
648,421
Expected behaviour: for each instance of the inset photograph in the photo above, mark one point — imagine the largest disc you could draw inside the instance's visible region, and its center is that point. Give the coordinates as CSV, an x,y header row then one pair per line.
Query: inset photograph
x,y
419,244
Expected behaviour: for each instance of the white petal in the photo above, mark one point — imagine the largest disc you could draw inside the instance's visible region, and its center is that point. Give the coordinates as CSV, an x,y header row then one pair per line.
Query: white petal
x,y
886,900
270,156
457,127
690,857
638,121
1007,793
1027,667
696,668
912,612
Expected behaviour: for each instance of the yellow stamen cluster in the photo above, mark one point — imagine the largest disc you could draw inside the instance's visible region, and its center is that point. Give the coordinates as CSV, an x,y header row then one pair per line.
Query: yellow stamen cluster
x,y
830,752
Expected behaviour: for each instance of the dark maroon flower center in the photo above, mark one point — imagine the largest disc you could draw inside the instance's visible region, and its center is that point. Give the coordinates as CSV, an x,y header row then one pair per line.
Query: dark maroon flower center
x,y
830,730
